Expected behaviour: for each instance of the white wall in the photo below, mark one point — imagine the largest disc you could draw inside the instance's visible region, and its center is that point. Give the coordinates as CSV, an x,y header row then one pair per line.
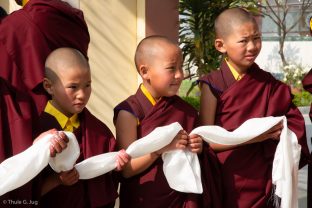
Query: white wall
x,y
299,52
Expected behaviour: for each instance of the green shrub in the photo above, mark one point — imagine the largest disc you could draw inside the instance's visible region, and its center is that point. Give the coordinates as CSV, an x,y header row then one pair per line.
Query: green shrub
x,y
303,98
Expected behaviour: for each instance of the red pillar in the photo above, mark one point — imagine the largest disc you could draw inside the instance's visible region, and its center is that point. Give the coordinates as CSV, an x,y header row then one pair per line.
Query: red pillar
x,y
162,18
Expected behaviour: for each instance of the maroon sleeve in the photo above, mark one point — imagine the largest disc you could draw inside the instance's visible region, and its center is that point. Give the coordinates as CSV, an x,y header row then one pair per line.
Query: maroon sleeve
x,y
28,35
307,81
281,97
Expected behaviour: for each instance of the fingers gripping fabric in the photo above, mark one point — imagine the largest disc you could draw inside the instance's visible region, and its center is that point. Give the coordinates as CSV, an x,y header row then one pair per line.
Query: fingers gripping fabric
x,y
29,163
21,168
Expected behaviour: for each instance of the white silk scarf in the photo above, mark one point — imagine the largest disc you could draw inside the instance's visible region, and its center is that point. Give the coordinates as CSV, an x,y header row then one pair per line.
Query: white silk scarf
x,y
181,167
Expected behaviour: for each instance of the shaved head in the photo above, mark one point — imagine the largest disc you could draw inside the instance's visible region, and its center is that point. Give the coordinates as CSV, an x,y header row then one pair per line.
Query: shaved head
x,y
230,19
149,47
63,59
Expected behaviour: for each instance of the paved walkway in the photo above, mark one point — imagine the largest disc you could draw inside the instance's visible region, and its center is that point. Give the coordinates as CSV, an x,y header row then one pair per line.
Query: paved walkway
x,y
302,187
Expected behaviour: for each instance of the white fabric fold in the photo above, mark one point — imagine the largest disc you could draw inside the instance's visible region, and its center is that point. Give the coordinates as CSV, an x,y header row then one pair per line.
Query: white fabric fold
x,y
103,163
182,171
184,162
21,168
286,158
285,168
181,167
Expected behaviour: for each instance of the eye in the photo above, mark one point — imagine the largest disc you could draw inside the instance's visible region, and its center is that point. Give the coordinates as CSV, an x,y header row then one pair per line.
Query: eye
x,y
88,85
243,41
171,68
73,87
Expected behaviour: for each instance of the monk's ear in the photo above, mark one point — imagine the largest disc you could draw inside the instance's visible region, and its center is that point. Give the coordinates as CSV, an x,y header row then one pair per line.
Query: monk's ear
x,y
47,85
219,45
143,70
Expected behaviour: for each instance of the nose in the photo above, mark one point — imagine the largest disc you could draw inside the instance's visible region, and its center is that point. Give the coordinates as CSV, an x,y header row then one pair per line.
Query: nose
x,y
254,45
179,74
251,45
81,94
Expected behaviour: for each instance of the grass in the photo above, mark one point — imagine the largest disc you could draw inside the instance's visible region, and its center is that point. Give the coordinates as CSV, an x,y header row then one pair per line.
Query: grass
x,y
185,86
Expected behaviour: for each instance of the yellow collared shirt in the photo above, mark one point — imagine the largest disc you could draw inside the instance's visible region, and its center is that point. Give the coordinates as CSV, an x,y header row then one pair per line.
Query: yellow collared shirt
x,y
236,75
67,124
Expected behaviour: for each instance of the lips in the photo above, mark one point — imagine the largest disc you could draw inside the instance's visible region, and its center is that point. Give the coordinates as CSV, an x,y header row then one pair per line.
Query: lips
x,y
250,57
79,104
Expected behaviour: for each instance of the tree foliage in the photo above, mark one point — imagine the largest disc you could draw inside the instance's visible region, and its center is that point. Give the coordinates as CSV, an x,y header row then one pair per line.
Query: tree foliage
x,y
278,11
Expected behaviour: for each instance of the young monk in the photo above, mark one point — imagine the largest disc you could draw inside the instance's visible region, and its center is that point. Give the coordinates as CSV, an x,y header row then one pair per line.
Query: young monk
x,y
68,81
239,91
159,63
27,36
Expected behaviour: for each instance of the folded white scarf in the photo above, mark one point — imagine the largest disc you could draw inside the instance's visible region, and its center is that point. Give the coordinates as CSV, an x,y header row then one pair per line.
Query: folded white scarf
x,y
21,168
286,158
179,165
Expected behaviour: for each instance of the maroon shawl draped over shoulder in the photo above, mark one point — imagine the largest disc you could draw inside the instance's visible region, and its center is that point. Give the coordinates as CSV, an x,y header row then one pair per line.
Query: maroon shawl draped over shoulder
x,y
247,170
11,115
94,138
307,85
27,36
150,188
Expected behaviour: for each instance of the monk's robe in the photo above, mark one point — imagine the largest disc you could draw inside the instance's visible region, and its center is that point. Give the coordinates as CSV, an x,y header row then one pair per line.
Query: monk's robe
x,y
150,188
307,85
27,36
247,170
94,138
13,123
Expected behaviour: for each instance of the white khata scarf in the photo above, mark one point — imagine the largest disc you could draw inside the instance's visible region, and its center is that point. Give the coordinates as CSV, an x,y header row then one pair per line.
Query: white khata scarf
x,y
21,168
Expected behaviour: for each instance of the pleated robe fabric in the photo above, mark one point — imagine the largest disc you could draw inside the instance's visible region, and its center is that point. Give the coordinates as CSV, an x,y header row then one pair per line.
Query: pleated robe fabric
x,y
150,188
247,170
94,138
27,36
307,85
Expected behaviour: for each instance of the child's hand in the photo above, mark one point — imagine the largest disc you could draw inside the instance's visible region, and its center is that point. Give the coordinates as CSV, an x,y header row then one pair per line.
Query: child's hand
x,y
57,143
195,143
68,178
178,142
122,159
273,133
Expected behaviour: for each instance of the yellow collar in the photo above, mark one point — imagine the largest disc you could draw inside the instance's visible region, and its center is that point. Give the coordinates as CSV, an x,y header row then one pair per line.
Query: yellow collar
x,y
24,2
68,124
147,94
236,75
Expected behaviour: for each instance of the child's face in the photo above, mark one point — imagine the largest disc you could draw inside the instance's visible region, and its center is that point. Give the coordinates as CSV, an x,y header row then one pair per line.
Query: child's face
x,y
71,92
242,46
165,72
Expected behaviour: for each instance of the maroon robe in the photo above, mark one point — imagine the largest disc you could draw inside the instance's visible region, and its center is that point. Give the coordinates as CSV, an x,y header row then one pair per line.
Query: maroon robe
x,y
94,138
30,34
12,115
307,85
150,188
247,170
27,36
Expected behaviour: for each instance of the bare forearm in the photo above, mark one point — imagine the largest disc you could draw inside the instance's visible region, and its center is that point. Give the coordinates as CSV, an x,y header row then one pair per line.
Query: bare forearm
x,y
138,165
49,183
